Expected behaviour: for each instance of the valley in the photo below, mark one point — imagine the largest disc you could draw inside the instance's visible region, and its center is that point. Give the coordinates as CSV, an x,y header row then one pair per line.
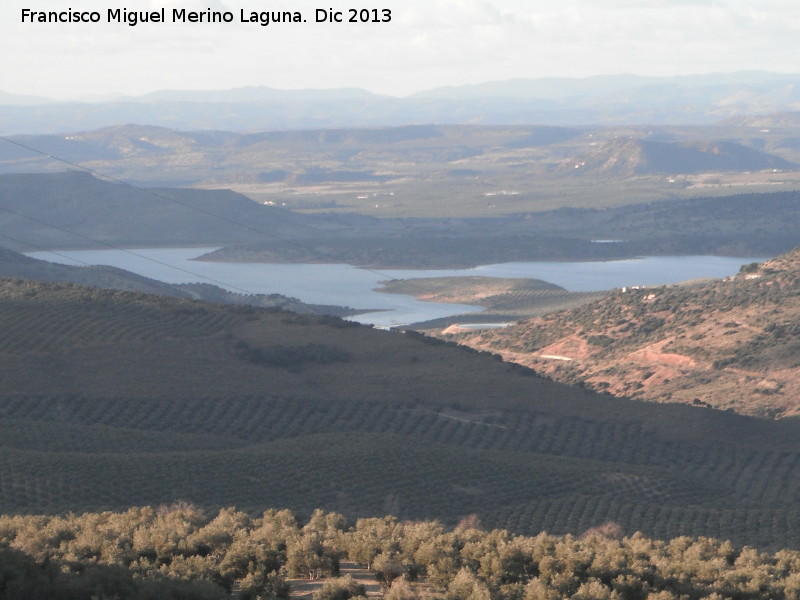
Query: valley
x,y
492,361
328,285
76,210
147,399
411,300
435,171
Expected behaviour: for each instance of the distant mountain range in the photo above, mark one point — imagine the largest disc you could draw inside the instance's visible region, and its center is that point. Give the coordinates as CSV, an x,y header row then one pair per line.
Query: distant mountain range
x,y
7,99
697,99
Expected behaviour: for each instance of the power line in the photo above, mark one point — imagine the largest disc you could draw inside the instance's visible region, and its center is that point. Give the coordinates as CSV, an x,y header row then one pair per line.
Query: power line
x,y
151,192
126,250
155,194
41,249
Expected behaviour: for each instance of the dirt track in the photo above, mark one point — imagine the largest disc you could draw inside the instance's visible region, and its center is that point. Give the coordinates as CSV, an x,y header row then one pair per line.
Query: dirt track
x,y
304,588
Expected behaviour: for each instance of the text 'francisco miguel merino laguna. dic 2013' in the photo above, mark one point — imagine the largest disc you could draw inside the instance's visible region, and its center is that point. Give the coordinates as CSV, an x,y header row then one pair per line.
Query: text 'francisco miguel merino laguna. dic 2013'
x,y
181,15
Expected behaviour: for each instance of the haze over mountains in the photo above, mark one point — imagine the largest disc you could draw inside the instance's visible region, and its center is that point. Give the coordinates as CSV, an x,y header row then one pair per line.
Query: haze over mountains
x,y
160,156
75,209
597,100
112,398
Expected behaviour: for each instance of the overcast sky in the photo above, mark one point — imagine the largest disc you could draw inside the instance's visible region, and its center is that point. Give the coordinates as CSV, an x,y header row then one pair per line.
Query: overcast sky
x,y
427,44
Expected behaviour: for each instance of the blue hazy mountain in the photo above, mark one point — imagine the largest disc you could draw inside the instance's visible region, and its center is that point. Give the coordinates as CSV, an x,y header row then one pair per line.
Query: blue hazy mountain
x,y
602,100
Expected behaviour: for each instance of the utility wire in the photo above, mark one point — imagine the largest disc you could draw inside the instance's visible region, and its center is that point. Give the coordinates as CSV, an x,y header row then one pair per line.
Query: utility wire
x,y
113,247
41,249
156,194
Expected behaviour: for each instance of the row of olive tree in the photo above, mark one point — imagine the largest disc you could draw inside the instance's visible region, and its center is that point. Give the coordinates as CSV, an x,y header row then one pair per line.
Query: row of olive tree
x,y
178,552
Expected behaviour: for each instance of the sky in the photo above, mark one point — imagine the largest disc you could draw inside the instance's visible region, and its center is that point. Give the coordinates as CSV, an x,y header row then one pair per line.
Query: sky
x,y
427,44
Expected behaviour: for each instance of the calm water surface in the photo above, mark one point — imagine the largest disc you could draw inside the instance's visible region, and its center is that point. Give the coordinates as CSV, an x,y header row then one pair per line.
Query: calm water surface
x,y
345,285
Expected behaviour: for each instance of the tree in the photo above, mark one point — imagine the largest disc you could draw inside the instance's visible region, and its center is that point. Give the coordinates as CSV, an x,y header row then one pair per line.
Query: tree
x,y
259,584
341,588
466,586
400,590
371,537
388,567
307,556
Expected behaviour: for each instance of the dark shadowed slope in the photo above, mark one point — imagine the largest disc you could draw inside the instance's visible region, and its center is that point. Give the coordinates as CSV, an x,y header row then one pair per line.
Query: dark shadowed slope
x,y
75,209
112,398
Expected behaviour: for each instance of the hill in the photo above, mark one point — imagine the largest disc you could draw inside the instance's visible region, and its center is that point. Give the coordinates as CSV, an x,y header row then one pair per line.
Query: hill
x,y
753,225
437,170
75,209
503,298
730,344
789,120
112,399
7,99
627,158
16,265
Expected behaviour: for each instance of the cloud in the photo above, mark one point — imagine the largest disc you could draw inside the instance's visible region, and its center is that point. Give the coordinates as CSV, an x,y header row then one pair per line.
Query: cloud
x,y
428,43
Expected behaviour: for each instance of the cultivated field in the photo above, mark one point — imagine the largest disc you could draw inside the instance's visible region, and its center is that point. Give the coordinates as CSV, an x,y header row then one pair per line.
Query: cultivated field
x,y
148,400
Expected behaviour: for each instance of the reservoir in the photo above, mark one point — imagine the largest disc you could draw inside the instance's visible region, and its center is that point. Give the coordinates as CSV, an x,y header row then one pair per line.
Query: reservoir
x,y
346,285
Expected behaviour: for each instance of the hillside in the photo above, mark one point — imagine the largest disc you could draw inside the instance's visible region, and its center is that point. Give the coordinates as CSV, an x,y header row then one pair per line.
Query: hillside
x,y
732,344
631,157
16,265
111,399
441,171
738,225
75,209
503,299
466,290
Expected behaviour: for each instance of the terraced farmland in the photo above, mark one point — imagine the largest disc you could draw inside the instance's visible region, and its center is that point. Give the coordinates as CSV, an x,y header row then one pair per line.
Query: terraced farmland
x,y
114,399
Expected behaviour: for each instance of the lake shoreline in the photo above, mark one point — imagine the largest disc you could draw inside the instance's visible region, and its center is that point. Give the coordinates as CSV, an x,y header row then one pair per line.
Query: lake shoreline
x,y
346,285
445,265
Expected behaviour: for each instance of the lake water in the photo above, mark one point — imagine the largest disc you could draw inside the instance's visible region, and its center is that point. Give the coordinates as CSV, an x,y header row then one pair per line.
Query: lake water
x,y
345,285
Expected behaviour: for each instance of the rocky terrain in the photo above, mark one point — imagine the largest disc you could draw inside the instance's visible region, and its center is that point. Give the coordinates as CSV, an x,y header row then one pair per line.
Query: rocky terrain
x,y
732,344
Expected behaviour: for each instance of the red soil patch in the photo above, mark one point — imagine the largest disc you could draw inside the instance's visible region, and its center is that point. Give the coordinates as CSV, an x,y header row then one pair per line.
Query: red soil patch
x,y
573,347
653,354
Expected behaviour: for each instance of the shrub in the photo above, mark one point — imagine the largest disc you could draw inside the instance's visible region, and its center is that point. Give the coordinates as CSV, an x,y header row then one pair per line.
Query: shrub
x,y
291,357
341,588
